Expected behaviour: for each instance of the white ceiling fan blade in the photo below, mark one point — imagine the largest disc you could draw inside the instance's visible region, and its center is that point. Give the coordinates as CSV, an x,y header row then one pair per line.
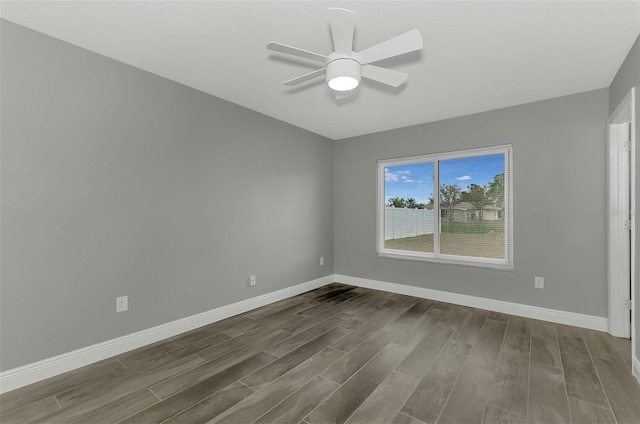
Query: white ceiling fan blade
x,y
405,43
383,75
283,48
342,23
305,77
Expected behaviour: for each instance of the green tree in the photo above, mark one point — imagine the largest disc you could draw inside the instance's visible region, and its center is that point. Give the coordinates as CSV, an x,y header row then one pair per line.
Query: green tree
x,y
479,196
496,190
397,202
450,195
411,203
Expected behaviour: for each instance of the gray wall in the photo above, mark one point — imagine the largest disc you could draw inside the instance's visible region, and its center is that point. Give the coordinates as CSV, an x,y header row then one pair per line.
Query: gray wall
x,y
628,76
118,182
559,203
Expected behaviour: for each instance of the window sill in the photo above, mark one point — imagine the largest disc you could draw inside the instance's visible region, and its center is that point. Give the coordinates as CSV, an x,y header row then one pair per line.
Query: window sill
x,y
446,259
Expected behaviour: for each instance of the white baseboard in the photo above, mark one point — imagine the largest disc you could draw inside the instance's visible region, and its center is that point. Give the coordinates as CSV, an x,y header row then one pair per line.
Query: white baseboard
x,y
527,311
18,377
37,371
635,369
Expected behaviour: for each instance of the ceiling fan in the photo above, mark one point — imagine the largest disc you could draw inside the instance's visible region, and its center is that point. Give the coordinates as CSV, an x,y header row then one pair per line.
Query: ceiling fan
x,y
344,67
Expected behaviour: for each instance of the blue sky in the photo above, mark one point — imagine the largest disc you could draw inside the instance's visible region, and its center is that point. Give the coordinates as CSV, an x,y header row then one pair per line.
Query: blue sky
x,y
416,180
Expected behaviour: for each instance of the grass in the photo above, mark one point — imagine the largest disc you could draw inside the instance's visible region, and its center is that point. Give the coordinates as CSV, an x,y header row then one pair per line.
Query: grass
x,y
479,239
475,227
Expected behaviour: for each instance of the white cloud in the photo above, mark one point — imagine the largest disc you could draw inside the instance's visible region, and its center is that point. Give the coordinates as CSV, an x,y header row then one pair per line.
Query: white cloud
x,y
400,176
390,176
395,176
463,178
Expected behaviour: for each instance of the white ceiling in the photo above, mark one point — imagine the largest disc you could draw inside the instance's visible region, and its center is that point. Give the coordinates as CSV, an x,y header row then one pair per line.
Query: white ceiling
x,y
477,55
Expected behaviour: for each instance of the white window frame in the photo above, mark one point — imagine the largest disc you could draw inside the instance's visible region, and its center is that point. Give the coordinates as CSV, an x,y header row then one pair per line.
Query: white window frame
x,y
436,256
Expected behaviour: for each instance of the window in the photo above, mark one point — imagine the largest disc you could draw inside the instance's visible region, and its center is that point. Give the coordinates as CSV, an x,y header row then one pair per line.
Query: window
x,y
473,203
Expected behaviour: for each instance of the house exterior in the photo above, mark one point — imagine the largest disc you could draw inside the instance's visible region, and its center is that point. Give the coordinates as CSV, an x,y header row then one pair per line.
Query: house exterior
x,y
465,212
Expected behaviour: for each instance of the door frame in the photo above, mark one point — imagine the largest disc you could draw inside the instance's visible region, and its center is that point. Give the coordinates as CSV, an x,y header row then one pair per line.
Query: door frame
x,y
621,122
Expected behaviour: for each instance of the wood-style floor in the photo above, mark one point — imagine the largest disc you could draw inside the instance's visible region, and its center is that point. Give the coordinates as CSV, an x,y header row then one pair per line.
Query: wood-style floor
x,y
341,354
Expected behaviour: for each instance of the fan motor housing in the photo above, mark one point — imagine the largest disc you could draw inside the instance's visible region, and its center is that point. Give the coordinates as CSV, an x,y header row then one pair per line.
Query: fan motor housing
x,y
343,69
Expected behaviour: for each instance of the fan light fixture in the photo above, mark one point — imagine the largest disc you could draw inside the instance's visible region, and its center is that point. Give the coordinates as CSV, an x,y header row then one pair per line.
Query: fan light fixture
x,y
344,67
343,74
343,83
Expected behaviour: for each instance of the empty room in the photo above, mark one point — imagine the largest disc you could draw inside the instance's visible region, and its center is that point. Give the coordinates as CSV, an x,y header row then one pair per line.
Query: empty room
x,y
307,212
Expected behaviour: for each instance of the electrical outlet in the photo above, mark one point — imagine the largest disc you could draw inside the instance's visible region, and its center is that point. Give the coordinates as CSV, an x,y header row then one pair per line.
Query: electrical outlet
x,y
122,303
539,282
321,260
252,280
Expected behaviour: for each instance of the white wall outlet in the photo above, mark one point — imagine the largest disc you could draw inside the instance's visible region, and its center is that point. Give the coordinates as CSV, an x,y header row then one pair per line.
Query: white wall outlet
x,y
539,282
122,303
252,280
321,260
